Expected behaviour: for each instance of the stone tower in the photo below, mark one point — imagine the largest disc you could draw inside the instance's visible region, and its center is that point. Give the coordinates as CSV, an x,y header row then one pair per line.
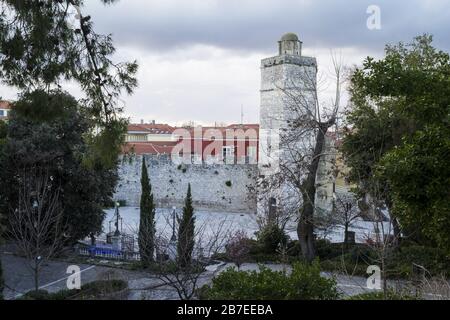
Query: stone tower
x,y
288,72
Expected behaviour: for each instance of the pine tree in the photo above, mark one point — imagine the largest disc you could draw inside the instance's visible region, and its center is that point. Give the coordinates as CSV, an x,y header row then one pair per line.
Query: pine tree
x,y
43,46
49,129
147,219
186,226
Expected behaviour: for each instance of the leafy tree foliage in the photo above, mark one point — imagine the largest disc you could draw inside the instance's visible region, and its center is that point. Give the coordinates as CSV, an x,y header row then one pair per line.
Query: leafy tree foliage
x,y
272,237
43,43
186,226
51,130
3,134
304,283
147,219
398,142
40,49
2,282
419,175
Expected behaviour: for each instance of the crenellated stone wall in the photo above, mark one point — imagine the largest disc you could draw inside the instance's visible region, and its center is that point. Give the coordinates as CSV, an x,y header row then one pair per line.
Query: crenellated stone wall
x,y
227,188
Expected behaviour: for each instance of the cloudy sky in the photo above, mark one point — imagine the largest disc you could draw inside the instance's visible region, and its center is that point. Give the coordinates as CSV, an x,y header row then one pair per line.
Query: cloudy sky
x,y
199,59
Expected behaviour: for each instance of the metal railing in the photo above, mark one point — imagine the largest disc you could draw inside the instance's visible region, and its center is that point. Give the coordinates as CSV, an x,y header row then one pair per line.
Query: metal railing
x,y
107,252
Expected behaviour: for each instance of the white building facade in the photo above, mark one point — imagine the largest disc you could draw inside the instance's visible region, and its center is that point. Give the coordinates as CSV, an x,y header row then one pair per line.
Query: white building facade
x,y
288,94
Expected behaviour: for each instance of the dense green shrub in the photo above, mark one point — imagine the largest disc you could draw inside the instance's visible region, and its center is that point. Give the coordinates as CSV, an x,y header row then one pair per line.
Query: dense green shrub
x,y
399,261
356,252
434,260
362,253
271,237
245,285
308,284
36,295
354,260
91,290
344,265
303,283
256,254
104,286
294,249
327,250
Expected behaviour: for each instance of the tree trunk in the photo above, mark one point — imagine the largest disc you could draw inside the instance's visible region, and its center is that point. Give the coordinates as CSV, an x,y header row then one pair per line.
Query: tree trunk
x,y
92,239
305,228
397,231
346,236
395,224
36,278
305,231
383,272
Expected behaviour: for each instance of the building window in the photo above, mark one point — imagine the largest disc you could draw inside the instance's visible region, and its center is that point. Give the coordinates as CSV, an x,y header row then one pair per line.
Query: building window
x,y
251,154
227,153
136,137
2,113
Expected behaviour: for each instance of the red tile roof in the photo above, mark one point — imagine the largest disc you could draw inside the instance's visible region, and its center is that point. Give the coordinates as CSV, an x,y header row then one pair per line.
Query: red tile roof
x,y
5,105
149,147
165,147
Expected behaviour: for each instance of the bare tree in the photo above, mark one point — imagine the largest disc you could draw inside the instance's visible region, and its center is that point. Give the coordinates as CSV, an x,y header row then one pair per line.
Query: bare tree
x,y
36,223
275,215
238,248
382,239
303,145
379,238
436,288
346,211
186,276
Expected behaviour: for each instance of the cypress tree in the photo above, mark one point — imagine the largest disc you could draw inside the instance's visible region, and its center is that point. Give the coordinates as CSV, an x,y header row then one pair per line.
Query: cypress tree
x,y
186,226
147,219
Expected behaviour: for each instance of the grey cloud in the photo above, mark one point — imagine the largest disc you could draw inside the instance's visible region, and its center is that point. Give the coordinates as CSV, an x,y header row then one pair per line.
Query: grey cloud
x,y
252,25
180,79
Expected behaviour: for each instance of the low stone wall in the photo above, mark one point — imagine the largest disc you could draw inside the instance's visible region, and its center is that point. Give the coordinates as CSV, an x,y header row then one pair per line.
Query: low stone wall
x,y
227,188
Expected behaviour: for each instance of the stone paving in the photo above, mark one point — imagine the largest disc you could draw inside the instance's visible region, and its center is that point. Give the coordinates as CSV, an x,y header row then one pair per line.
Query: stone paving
x,y
142,285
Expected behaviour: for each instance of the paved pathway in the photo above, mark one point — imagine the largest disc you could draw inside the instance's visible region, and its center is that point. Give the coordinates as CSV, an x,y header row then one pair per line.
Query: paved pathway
x,y
19,279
